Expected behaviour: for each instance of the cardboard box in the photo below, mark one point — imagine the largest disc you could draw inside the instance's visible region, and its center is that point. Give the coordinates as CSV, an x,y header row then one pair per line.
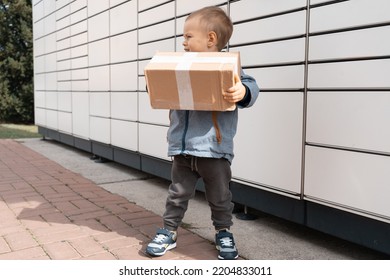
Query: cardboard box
x,y
191,80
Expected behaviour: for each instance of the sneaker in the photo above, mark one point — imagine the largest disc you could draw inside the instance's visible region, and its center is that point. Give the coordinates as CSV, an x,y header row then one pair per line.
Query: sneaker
x,y
225,245
163,241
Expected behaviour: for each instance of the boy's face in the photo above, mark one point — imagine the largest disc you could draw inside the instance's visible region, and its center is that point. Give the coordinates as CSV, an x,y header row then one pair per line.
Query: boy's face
x,y
197,39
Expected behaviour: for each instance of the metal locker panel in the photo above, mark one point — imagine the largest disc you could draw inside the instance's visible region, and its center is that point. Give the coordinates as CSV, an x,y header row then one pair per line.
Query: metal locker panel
x,y
40,116
148,50
80,114
49,24
115,2
355,181
124,106
98,26
187,7
179,28
52,119
124,76
79,17
76,85
157,14
99,78
123,47
268,144
39,64
149,115
352,44
38,10
100,129
95,7
143,5
99,103
50,62
293,24
39,82
156,32
51,98
79,39
347,14
272,53
152,140
79,74
64,76
65,101
141,84
80,62
40,99
124,134
51,81
349,119
282,77
247,9
50,43
99,52
65,122
123,17
355,74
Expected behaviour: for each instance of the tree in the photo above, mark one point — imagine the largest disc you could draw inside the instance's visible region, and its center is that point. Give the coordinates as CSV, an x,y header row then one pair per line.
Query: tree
x,y
16,62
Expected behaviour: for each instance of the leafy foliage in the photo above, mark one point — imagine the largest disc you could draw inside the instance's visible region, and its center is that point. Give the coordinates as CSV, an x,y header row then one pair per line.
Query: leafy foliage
x,y
16,62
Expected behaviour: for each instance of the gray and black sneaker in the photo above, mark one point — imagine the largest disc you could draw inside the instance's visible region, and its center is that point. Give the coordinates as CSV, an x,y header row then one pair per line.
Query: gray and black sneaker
x,y
163,241
225,245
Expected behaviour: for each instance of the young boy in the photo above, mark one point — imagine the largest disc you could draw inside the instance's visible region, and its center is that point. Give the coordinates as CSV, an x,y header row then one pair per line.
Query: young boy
x,y
201,143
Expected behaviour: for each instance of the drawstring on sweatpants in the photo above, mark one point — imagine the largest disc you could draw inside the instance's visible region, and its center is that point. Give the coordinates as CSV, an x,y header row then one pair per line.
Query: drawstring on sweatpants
x,y
194,163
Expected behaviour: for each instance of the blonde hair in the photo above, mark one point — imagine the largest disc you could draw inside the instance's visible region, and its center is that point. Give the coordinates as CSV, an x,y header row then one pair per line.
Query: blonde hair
x,y
215,19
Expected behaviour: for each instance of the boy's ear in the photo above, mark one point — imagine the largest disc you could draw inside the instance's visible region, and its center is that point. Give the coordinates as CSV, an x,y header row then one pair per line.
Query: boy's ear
x,y
212,39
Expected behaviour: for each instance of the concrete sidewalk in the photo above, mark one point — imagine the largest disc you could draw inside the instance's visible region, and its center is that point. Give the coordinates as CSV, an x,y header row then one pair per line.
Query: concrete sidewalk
x,y
57,203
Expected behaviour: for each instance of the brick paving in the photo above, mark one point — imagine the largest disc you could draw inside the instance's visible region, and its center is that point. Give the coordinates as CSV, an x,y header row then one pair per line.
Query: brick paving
x,y
49,212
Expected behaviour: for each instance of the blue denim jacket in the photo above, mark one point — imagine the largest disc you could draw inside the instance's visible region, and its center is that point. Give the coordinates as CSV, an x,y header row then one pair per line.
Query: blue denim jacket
x,y
194,133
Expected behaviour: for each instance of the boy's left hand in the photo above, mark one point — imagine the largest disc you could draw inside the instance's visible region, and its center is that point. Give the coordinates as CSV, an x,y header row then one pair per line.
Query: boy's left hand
x,y
236,93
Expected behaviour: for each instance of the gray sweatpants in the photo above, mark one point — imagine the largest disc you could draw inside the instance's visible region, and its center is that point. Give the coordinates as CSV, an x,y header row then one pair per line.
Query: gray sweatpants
x,y
216,175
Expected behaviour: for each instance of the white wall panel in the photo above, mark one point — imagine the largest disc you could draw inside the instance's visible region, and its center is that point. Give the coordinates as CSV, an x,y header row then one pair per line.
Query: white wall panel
x,y
356,180
65,101
275,52
148,50
149,115
359,120
347,14
65,122
358,43
160,13
124,47
98,26
95,7
51,100
269,143
39,82
99,78
124,77
40,99
80,114
291,77
153,148
100,129
123,17
99,52
124,106
158,31
40,116
271,28
124,134
51,81
355,74
100,104
186,7
52,119
247,9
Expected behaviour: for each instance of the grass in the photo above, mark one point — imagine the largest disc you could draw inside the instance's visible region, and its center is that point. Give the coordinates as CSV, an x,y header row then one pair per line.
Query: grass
x,y
14,131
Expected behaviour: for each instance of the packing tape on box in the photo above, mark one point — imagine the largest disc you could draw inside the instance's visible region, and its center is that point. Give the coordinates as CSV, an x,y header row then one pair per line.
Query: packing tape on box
x,y
183,79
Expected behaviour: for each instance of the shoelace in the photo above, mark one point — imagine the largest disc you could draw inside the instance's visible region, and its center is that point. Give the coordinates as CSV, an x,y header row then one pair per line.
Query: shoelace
x,y
159,238
226,242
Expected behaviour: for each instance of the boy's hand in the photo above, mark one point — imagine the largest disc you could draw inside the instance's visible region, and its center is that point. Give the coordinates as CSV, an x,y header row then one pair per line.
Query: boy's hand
x,y
236,93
